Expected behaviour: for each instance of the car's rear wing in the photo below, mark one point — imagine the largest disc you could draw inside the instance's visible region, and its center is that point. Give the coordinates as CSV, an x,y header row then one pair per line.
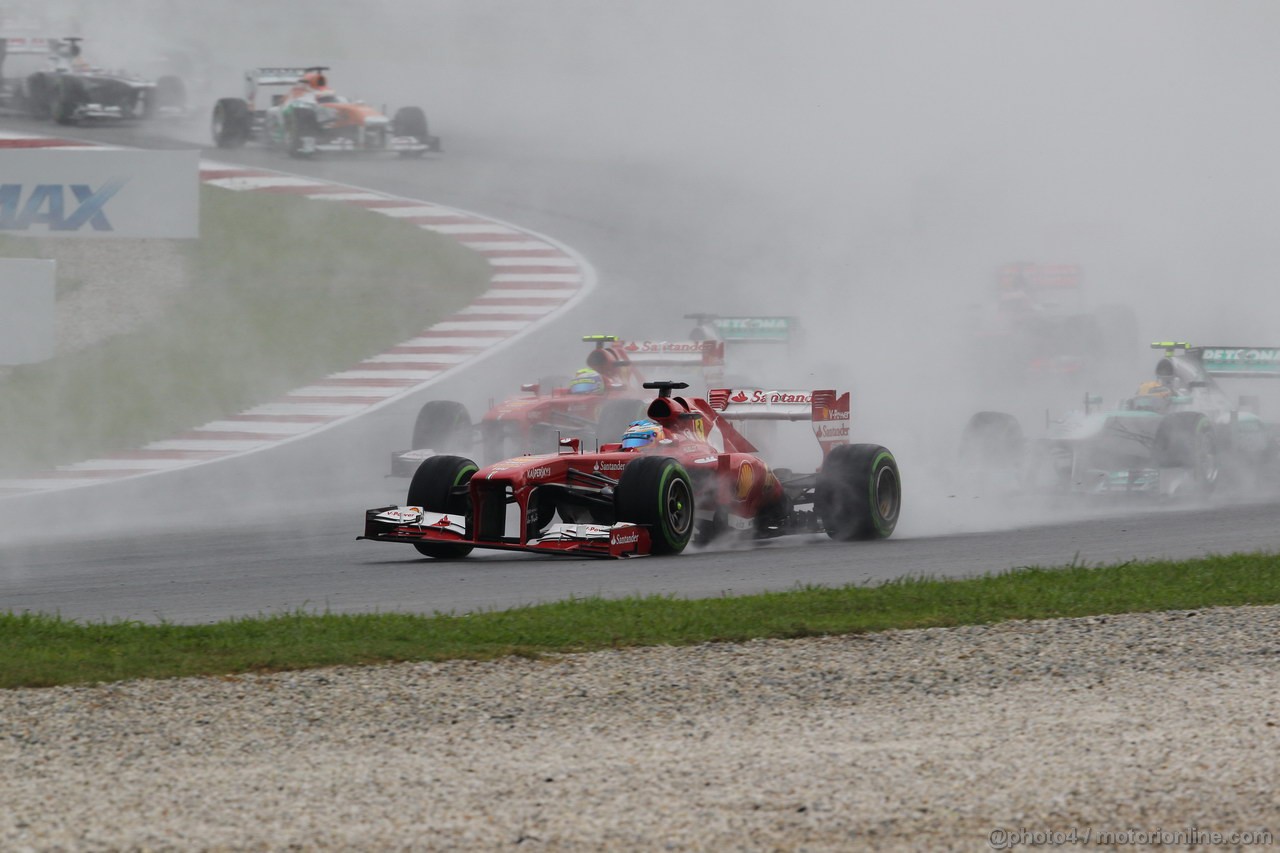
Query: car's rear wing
x,y
672,353
15,43
275,75
1039,277
827,410
1263,362
765,330
611,354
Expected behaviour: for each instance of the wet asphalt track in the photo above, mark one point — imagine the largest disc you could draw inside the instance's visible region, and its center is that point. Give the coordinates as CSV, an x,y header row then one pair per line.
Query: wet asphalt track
x,y
258,535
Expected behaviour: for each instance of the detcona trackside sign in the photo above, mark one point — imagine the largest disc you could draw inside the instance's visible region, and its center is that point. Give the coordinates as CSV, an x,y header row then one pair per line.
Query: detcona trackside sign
x,y
100,192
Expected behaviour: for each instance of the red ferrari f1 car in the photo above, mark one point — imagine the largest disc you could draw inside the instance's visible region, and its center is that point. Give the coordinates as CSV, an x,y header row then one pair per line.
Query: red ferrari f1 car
x,y
684,473
598,401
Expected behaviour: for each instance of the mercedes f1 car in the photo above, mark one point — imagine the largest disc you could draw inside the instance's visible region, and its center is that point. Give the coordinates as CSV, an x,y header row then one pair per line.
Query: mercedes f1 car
x,y
48,78
294,110
598,401
684,474
1181,434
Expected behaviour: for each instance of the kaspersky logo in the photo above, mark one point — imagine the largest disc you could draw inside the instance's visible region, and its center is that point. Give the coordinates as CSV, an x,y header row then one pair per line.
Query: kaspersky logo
x,y
61,207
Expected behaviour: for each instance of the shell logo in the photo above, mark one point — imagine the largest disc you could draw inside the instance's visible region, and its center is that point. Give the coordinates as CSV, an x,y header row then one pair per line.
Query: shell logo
x,y
746,479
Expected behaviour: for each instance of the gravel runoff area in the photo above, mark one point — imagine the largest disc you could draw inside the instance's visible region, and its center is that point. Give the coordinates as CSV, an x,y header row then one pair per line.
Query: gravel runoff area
x,y
927,739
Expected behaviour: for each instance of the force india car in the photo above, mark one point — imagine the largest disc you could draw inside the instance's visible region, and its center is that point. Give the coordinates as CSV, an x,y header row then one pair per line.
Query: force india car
x,y
1181,434
294,109
535,422
48,78
702,478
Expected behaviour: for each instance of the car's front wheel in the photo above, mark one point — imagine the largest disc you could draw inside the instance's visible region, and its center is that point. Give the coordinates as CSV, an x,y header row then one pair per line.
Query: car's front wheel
x,y
436,487
656,492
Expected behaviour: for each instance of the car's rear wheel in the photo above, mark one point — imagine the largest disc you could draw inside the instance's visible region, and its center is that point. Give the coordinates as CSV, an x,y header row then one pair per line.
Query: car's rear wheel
x,y
230,123
39,96
67,98
655,492
170,93
435,487
443,426
859,492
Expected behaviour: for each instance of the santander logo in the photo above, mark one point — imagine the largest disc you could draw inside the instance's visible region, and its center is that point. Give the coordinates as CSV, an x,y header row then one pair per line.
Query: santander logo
x,y
626,538
759,396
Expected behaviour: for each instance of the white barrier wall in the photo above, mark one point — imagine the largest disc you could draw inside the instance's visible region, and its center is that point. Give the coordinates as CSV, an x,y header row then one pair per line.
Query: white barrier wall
x,y
26,311
100,192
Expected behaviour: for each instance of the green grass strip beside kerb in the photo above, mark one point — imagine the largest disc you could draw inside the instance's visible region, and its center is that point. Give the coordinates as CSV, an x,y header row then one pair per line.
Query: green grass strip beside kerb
x,y
37,651
284,291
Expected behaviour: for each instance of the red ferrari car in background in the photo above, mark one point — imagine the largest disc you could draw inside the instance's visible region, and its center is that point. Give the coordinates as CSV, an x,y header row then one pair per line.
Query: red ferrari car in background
x,y
596,403
682,473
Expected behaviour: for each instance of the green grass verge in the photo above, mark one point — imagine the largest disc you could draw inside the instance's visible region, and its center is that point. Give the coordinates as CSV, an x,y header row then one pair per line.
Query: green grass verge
x,y
39,651
284,291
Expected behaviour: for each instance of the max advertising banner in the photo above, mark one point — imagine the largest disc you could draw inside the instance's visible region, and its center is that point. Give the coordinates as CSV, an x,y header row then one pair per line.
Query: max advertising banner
x,y
100,192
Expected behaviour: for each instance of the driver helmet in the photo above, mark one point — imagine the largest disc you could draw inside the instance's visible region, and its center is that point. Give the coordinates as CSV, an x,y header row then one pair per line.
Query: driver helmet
x,y
1153,389
1151,397
315,80
641,434
586,381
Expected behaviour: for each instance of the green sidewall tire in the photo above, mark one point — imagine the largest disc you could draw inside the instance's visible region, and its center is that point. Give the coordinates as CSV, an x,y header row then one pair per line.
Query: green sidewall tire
x,y
656,492
859,492
432,489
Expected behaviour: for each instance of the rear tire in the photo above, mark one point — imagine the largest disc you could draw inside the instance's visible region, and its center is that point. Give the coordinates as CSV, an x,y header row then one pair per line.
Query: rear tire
x,y
68,95
991,439
231,122
443,426
170,93
39,96
656,492
432,488
859,492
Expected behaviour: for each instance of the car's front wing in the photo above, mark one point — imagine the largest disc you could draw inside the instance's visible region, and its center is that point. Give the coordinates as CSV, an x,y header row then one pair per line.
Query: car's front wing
x,y
413,524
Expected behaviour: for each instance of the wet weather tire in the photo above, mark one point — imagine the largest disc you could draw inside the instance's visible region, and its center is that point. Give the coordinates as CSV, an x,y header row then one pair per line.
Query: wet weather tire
x,y
231,122
410,121
859,492
443,426
68,96
655,491
433,488
1185,440
991,439
39,96
302,124
170,93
